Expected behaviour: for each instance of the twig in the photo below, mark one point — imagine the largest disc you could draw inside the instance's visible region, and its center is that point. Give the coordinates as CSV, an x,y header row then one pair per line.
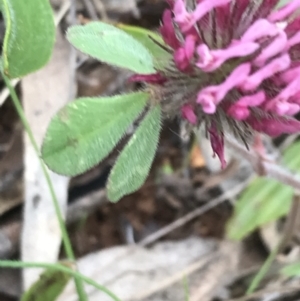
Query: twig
x,y
62,11
85,205
182,221
218,272
9,237
270,168
288,141
190,216
101,9
90,9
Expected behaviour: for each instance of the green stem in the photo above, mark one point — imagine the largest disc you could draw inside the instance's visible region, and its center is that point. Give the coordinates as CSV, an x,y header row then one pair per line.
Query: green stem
x,y
58,267
263,270
66,241
186,288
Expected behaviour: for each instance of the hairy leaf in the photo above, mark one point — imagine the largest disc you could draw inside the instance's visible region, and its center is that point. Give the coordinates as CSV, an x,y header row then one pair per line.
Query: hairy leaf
x,y
111,45
133,165
149,38
86,130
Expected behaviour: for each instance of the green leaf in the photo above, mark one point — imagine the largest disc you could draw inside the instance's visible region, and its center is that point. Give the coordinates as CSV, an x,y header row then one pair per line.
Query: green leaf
x,y
147,37
291,270
133,165
111,45
292,158
29,36
86,130
48,287
264,201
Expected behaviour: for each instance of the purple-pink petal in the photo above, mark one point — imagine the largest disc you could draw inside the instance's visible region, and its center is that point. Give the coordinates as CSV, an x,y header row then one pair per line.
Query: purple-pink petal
x,y
285,11
217,144
276,47
211,96
275,126
240,109
261,28
188,113
183,55
238,112
211,60
279,64
167,30
155,78
186,20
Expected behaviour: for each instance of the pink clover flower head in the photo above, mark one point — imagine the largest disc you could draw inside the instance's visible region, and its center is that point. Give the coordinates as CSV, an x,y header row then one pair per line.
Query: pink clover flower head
x,y
235,66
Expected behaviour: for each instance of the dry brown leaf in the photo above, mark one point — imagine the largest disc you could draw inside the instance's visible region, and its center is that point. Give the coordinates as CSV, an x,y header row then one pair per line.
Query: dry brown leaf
x,y
135,273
